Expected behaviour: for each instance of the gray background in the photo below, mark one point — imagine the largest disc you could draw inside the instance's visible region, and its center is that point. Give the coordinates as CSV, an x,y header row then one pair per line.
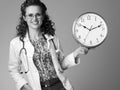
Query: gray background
x,y
99,69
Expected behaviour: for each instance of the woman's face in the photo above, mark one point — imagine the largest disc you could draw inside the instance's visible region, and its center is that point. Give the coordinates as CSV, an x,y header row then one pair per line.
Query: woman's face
x,y
33,17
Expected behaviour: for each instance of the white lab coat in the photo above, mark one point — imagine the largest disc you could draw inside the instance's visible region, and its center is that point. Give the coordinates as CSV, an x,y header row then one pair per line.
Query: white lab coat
x,y
32,76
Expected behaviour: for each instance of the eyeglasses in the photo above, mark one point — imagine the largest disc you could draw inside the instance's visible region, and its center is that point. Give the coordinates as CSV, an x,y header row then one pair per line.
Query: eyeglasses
x,y
31,16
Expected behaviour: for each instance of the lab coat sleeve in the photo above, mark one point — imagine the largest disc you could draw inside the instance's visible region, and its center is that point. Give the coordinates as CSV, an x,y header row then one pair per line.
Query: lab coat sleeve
x,y
69,61
66,61
13,66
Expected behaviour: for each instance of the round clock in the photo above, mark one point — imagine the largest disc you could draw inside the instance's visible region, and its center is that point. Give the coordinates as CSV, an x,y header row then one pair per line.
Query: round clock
x,y
90,29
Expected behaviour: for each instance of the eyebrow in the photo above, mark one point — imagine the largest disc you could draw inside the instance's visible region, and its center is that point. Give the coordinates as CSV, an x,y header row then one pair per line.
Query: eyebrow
x,y
34,13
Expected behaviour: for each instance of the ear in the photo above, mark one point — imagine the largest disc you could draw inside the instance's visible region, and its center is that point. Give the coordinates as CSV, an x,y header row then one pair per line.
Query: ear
x,y
24,18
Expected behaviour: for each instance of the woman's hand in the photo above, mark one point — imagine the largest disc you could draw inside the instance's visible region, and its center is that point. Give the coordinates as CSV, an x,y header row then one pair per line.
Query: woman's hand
x,y
26,87
78,51
81,50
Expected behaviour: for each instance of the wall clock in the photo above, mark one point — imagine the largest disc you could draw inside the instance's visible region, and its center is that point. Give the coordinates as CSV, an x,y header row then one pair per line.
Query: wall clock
x,y
90,29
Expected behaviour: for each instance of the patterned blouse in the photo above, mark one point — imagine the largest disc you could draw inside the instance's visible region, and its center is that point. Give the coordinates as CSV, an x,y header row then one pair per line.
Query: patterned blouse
x,y
43,60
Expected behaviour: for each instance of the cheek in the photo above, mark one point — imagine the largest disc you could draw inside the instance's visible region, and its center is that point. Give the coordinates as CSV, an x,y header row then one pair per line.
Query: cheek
x,y
28,22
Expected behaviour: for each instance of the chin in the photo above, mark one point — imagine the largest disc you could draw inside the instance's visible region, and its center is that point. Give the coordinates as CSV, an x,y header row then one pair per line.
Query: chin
x,y
35,26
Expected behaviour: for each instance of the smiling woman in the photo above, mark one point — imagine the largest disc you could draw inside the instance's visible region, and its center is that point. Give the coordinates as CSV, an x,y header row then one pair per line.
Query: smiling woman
x,y
38,8
36,52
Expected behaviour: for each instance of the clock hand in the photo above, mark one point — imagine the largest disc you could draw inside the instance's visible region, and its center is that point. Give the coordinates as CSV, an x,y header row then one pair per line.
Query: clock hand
x,y
85,27
91,28
88,33
86,36
96,27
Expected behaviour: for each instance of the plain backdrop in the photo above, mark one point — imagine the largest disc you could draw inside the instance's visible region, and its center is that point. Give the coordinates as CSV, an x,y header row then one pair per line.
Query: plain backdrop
x,y
98,70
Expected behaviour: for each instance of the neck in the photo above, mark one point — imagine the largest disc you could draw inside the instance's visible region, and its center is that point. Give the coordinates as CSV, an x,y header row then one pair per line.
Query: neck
x,y
34,34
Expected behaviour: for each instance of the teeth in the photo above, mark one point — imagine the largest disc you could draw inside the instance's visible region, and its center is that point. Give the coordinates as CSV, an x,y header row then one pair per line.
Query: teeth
x,y
35,22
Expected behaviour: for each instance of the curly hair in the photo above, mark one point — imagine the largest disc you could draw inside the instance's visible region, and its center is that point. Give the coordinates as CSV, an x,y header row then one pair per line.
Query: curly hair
x,y
47,26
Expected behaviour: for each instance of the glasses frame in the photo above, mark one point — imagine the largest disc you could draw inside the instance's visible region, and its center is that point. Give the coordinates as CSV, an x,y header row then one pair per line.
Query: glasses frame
x,y
31,16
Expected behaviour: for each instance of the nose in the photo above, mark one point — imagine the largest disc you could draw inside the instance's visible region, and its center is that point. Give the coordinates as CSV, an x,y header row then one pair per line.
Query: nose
x,y
35,17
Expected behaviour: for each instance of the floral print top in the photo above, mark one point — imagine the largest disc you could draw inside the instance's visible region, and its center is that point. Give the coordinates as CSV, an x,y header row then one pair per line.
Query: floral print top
x,y
43,60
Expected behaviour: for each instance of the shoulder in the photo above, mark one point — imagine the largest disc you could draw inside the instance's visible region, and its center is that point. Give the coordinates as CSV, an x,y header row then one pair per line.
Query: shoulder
x,y
56,37
15,41
48,37
15,44
56,41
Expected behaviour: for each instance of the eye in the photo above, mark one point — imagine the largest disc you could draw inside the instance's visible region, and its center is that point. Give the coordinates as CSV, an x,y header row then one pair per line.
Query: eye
x,y
30,15
38,15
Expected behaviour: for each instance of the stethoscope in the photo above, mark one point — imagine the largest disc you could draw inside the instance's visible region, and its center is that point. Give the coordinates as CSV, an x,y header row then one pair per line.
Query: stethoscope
x,y
25,51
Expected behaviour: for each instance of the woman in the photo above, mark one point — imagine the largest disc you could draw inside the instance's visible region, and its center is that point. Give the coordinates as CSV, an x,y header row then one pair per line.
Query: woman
x,y
36,61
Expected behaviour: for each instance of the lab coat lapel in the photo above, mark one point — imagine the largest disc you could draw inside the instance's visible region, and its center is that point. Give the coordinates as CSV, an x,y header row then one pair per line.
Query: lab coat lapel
x,y
33,70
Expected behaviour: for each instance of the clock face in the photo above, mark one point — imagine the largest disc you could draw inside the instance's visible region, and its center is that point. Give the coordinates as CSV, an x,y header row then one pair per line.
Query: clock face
x,y
90,29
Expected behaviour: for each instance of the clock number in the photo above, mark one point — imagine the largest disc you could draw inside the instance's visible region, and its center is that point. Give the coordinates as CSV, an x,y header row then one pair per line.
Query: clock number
x,y
88,17
79,37
90,42
100,22
95,18
103,28
84,40
79,25
97,40
82,19
76,30
101,35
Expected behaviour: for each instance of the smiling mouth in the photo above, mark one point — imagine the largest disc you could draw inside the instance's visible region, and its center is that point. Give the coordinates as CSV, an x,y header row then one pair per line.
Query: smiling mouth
x,y
35,23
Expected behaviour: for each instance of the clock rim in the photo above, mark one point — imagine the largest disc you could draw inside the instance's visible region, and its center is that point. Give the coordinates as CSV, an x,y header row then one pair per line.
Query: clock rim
x,y
73,28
